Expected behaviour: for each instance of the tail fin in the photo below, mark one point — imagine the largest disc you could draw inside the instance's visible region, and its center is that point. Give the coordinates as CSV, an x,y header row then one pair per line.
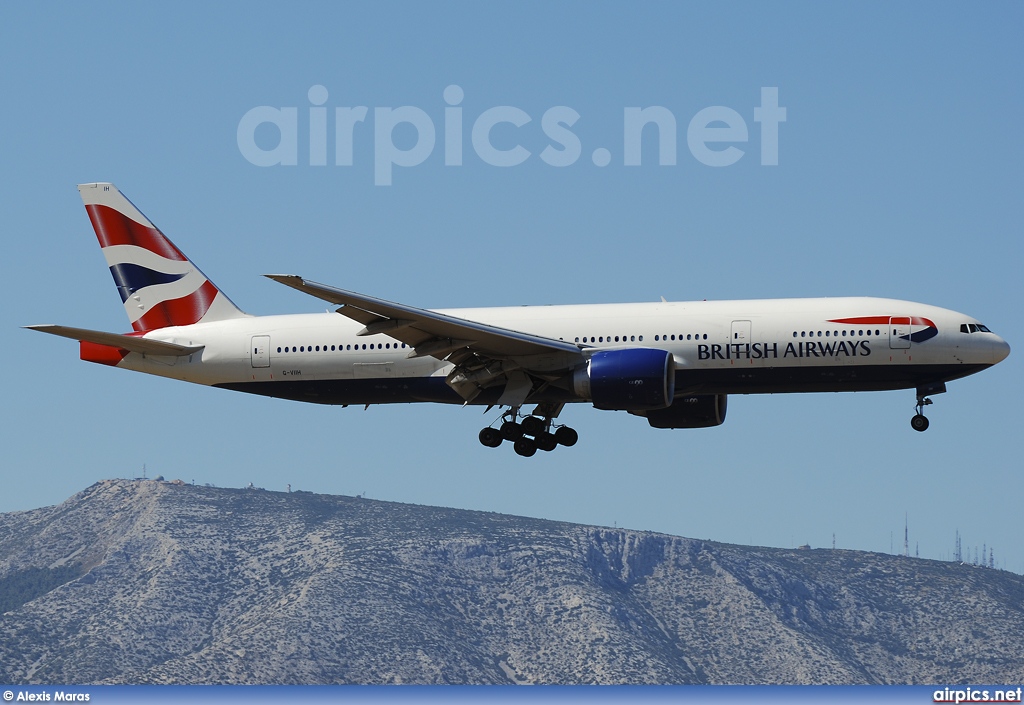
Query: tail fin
x,y
158,284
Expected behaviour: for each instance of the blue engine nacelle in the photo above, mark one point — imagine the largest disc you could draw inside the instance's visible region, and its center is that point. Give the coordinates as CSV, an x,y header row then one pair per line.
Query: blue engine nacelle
x,y
694,411
634,379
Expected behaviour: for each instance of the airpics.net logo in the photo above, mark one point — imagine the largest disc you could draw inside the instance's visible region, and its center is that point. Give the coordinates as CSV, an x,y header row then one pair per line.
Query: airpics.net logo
x,y
269,136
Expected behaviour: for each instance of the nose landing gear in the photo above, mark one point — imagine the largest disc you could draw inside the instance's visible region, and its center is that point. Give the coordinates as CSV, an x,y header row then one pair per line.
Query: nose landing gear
x,y
535,432
920,421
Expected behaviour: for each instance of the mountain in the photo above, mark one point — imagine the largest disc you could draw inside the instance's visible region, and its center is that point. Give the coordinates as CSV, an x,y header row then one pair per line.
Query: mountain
x,y
156,582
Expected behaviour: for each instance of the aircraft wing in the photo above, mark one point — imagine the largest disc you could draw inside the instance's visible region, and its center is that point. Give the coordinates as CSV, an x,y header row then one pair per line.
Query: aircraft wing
x,y
429,332
116,340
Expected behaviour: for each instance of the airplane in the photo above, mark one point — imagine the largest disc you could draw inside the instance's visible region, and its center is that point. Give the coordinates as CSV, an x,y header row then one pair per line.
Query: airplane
x,y
673,363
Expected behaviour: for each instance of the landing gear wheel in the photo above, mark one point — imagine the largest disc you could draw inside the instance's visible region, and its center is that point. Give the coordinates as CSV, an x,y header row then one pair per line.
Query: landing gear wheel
x,y
920,422
566,436
525,447
532,426
491,437
546,441
511,431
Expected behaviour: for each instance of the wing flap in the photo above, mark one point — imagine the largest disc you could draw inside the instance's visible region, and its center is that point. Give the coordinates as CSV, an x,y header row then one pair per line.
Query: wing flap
x,y
130,343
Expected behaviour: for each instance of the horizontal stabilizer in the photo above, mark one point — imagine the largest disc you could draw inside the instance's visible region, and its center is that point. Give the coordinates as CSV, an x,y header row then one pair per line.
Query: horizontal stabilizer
x,y
116,340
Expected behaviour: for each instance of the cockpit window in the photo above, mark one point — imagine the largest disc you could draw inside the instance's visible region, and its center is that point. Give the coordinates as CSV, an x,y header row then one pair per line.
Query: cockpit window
x,y
973,328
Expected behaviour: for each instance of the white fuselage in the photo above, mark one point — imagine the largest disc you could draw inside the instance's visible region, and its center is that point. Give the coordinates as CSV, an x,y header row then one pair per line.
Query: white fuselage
x,y
755,346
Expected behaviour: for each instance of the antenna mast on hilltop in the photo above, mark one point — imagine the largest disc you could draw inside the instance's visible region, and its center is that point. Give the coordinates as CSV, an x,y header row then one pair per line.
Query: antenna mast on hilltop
x,y
906,536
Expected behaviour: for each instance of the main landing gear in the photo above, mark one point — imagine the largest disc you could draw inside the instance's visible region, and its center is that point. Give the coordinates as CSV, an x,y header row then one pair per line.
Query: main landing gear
x,y
531,434
920,421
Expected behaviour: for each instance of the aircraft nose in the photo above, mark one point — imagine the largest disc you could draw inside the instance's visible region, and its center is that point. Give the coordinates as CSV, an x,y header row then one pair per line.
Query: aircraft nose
x,y
1000,350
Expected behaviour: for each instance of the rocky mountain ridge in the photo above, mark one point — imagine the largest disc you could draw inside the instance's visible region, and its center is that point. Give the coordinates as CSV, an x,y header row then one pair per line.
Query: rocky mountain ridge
x,y
154,582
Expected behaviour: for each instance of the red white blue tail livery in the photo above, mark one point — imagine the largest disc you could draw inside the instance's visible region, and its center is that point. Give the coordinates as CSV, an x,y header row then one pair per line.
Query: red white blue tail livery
x,y
158,284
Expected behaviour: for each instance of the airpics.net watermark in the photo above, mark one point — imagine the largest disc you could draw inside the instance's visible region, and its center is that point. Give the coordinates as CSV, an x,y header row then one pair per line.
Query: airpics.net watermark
x,y
711,135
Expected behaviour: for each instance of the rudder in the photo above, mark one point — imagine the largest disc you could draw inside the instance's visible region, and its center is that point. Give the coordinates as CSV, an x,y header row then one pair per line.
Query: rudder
x,y
159,286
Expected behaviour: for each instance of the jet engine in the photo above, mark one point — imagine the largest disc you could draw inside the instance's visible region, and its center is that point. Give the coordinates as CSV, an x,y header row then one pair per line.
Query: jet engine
x,y
633,379
699,411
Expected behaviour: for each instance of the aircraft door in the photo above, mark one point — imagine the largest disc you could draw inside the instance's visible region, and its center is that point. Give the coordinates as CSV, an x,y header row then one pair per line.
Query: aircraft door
x,y
899,332
259,351
740,332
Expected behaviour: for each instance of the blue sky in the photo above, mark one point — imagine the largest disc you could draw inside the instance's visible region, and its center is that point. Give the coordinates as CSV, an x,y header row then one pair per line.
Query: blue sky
x,y
900,173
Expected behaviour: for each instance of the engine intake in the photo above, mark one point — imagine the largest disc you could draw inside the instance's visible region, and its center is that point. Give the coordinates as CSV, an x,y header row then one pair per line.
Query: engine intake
x,y
633,379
